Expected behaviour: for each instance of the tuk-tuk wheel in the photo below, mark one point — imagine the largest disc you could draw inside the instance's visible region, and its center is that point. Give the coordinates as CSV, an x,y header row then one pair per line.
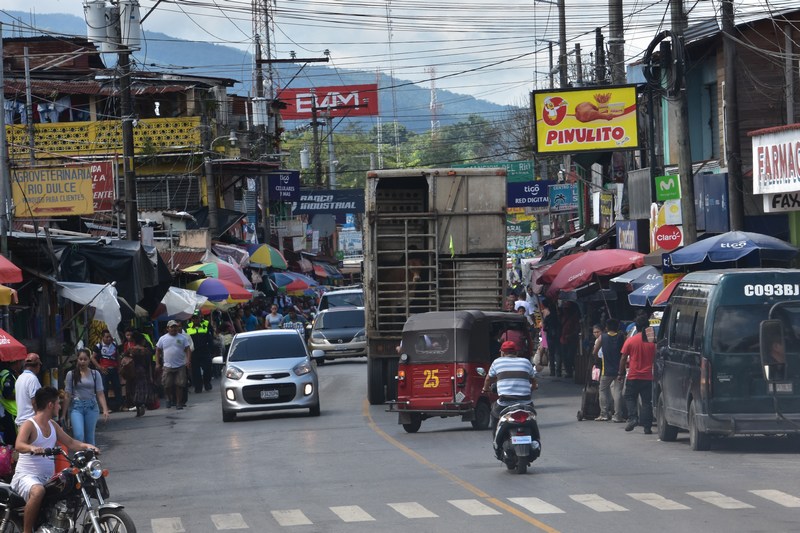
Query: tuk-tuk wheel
x,y
482,413
414,425
580,416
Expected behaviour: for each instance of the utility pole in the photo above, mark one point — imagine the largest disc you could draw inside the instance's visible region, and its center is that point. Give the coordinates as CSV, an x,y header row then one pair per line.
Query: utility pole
x,y
600,55
331,156
5,175
552,68
616,42
679,109
733,148
29,109
315,131
578,66
562,44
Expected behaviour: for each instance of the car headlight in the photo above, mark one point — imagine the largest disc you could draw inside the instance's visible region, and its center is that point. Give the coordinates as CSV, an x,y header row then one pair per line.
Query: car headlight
x,y
361,336
232,372
317,336
302,369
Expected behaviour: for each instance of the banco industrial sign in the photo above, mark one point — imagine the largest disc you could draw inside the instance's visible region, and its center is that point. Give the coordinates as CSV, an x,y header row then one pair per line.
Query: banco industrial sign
x,y
339,101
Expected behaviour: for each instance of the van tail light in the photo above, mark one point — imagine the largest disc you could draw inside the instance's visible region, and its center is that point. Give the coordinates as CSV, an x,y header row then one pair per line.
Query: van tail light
x,y
705,378
461,376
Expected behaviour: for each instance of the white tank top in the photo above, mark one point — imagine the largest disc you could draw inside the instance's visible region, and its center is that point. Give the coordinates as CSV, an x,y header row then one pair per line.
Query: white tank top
x,y
38,465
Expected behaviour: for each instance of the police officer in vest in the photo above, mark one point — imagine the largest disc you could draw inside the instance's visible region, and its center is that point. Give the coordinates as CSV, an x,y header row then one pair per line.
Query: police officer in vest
x,y
203,338
8,399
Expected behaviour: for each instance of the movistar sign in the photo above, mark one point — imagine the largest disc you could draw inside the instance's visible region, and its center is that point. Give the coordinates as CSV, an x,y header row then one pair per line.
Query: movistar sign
x,y
668,188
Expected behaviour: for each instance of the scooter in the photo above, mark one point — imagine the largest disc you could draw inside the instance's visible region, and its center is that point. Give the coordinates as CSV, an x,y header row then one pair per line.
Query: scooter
x,y
516,440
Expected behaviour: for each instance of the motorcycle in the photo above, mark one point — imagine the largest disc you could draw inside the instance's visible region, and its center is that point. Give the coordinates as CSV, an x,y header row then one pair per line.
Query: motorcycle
x,y
516,440
75,501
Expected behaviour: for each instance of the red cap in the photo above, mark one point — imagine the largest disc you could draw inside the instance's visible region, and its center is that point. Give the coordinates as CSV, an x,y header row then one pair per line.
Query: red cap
x,y
509,346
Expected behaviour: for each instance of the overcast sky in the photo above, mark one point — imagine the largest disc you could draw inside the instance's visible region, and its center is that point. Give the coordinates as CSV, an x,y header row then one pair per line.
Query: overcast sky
x,y
493,51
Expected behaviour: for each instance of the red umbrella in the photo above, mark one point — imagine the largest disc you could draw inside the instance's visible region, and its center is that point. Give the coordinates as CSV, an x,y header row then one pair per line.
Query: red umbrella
x,y
661,299
590,265
9,272
10,348
547,276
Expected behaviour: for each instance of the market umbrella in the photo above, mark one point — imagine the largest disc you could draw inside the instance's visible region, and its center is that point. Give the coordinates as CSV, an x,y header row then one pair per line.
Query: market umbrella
x,y
264,254
591,265
218,290
179,304
638,277
223,271
732,246
102,298
550,274
9,272
663,297
8,295
644,295
10,348
293,281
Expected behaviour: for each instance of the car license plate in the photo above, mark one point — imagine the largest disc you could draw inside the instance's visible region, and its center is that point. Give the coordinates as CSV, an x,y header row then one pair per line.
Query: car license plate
x,y
522,439
269,394
783,387
340,348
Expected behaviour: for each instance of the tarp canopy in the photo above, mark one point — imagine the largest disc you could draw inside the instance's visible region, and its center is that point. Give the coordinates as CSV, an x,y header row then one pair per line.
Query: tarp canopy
x,y
101,298
10,348
9,272
179,304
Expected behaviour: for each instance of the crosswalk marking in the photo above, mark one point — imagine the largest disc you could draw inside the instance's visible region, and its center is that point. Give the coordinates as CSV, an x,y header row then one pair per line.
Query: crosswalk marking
x,y
536,506
597,503
659,502
720,500
229,521
412,510
291,517
352,513
474,507
167,525
781,498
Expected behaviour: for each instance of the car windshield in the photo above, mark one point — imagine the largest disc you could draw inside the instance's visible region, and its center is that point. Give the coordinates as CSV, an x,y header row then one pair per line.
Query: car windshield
x,y
352,299
256,347
341,320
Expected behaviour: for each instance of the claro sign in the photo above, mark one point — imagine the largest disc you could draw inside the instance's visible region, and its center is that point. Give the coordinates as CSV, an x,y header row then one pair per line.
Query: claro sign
x,y
341,101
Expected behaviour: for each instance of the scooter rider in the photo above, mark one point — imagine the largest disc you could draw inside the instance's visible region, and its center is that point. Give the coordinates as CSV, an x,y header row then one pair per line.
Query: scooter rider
x,y
515,377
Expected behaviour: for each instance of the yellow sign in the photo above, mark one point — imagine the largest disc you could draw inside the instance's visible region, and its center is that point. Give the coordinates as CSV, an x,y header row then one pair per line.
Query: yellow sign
x,y
52,191
580,120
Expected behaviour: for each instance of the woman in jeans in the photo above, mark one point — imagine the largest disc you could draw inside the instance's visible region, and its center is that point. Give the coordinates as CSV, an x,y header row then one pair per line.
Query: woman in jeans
x,y
84,388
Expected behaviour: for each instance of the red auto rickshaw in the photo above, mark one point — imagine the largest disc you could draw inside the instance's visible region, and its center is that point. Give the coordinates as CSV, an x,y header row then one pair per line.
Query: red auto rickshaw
x,y
444,358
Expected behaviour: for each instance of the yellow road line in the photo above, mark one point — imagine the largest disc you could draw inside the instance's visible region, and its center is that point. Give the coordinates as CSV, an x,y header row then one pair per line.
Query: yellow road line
x,y
452,477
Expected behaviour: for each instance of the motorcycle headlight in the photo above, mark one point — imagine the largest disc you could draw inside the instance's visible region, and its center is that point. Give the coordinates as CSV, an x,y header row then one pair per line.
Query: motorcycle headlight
x,y
232,372
302,369
94,469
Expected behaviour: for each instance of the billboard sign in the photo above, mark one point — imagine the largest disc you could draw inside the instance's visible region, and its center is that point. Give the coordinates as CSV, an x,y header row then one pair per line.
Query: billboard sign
x,y
516,171
53,191
533,194
581,120
340,100
102,186
563,197
776,161
283,185
329,201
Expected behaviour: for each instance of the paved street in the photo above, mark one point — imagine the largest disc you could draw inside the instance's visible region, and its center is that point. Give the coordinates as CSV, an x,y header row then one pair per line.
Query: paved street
x,y
355,469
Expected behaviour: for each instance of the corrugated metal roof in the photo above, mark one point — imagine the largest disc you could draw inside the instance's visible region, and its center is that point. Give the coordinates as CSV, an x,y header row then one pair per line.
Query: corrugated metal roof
x,y
50,88
179,259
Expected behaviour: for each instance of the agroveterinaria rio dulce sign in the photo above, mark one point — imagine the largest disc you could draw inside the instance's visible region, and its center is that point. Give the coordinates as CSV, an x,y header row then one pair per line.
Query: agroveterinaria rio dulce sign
x,y
63,191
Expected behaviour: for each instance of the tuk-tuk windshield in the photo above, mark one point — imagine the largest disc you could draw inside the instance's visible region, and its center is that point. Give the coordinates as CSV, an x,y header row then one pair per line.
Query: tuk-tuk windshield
x,y
432,346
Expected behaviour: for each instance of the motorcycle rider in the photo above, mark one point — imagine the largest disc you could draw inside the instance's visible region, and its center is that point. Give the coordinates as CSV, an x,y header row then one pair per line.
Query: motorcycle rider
x,y
36,434
515,377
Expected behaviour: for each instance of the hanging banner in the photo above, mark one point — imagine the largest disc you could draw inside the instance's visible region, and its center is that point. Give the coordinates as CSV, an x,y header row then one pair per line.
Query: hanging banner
x,y
563,197
53,191
103,186
283,185
329,201
339,101
581,120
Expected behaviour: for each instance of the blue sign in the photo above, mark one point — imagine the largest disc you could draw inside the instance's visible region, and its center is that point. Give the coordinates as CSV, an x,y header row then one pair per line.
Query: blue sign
x,y
633,235
564,197
284,185
528,194
329,201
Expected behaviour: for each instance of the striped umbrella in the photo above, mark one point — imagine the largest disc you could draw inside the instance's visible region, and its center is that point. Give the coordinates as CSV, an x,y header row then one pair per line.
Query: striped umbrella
x,y
293,281
223,271
264,254
219,290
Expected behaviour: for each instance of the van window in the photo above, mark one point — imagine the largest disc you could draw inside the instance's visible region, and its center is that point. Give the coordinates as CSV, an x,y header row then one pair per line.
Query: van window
x,y
736,328
684,326
699,325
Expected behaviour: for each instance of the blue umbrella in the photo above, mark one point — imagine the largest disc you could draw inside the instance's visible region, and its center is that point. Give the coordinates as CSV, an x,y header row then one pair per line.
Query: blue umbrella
x,y
733,246
638,277
644,295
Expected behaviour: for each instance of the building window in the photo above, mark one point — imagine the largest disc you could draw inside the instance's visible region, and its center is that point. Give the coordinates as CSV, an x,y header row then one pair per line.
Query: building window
x,y
178,193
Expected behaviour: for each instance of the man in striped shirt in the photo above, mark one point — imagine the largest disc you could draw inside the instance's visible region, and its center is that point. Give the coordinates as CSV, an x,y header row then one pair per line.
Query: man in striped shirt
x,y
515,377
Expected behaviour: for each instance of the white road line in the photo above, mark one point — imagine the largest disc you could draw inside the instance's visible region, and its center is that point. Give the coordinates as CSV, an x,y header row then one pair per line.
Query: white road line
x,y
659,502
352,513
229,521
536,506
167,525
474,507
291,517
781,498
597,503
412,510
720,500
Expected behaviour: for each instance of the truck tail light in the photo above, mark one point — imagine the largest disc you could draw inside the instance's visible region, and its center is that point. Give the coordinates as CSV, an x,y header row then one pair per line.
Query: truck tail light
x,y
705,379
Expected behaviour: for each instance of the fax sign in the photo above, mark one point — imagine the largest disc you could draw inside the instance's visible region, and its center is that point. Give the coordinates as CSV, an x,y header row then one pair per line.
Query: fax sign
x,y
668,188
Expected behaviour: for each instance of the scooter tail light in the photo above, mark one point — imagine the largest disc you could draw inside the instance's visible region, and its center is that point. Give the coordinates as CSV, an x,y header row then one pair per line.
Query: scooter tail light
x,y
519,416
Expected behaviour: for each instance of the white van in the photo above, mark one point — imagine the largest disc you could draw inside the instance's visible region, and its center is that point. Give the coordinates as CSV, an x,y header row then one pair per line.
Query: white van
x,y
344,297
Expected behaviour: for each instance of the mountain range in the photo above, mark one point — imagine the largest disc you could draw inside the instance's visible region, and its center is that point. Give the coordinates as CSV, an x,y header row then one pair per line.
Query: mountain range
x,y
160,52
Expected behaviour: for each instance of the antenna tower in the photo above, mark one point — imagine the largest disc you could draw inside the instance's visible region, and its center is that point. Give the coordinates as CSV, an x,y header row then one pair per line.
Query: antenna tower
x,y
263,27
435,105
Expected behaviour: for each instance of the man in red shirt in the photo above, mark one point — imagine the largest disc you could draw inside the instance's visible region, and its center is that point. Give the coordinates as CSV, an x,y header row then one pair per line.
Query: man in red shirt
x,y
639,354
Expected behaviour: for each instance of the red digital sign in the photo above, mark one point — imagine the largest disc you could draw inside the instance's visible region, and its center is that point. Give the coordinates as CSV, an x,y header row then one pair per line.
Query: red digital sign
x,y
340,101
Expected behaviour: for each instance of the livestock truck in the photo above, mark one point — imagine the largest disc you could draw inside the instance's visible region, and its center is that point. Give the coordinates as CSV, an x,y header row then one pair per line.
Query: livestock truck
x,y
434,240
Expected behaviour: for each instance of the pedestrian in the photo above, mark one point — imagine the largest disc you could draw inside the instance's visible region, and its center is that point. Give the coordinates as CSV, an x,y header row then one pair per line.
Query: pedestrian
x,y
33,471
638,353
274,320
8,399
26,387
570,338
238,320
85,400
202,334
106,359
139,383
295,321
173,355
552,330
610,344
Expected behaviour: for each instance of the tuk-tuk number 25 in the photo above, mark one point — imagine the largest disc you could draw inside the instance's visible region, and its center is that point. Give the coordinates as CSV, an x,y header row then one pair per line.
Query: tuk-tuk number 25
x,y
431,379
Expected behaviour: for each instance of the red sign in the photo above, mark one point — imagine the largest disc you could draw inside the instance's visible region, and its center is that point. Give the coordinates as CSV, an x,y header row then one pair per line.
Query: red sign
x,y
668,237
341,101
103,186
